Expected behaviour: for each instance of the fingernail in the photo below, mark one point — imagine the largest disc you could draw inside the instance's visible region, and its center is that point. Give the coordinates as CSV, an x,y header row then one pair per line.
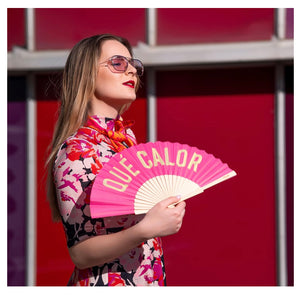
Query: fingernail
x,y
178,197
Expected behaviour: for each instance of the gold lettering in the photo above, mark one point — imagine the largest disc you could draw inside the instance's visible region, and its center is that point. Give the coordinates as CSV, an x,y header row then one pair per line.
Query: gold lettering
x,y
127,177
139,155
183,163
129,167
167,158
120,187
195,160
157,158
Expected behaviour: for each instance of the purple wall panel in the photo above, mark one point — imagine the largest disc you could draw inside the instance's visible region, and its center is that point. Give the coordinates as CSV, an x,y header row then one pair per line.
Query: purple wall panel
x,y
289,129
16,197
289,34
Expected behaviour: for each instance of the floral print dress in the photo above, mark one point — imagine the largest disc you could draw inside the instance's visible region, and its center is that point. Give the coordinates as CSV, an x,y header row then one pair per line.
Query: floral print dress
x,y
77,163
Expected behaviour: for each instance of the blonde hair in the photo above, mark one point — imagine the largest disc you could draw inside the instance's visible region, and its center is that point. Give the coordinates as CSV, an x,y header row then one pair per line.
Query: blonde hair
x,y
78,85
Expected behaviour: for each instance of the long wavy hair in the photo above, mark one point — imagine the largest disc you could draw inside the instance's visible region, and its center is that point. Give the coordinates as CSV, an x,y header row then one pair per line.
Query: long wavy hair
x,y
78,86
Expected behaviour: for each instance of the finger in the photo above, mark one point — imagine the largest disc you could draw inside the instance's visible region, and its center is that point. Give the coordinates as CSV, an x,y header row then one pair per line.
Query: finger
x,y
181,209
169,201
182,214
181,204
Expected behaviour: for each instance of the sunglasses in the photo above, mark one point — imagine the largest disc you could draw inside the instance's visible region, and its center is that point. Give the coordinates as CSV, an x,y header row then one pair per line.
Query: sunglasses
x,y
119,64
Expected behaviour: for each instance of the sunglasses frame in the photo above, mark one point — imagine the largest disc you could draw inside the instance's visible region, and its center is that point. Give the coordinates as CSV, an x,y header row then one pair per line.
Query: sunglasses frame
x,y
112,68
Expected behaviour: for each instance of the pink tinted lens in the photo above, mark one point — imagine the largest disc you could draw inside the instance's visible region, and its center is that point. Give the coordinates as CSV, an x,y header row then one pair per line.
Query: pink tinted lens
x,y
119,63
138,65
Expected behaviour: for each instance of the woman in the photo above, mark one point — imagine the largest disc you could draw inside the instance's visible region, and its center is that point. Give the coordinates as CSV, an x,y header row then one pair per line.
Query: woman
x,y
100,81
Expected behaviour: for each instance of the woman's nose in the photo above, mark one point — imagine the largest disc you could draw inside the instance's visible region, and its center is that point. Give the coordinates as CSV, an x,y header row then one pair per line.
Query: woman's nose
x,y
131,69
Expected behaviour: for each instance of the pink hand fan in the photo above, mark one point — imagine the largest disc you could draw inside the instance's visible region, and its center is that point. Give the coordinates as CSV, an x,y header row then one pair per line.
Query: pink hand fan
x,y
137,178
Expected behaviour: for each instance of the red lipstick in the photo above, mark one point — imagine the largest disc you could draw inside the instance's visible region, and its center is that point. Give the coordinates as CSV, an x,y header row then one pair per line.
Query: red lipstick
x,y
129,83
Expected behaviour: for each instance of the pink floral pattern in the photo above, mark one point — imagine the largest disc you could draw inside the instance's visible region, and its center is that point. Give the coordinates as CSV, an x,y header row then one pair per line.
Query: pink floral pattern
x,y
77,163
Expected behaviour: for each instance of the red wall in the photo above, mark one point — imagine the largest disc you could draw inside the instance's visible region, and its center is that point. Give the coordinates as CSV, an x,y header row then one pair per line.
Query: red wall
x,y
208,25
54,266
228,234
70,25
15,27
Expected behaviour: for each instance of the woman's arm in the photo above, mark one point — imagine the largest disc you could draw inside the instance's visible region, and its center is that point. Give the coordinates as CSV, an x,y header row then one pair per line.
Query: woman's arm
x,y
159,221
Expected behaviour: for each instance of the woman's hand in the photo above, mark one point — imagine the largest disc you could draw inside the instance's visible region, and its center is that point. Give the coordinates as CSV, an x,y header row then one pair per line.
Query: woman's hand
x,y
163,220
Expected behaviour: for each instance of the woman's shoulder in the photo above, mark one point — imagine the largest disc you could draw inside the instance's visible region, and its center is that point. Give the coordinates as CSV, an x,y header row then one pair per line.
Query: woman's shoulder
x,y
75,148
77,161
84,147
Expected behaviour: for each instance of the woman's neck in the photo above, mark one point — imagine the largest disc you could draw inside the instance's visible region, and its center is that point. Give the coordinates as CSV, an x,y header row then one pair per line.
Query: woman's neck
x,y
102,109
